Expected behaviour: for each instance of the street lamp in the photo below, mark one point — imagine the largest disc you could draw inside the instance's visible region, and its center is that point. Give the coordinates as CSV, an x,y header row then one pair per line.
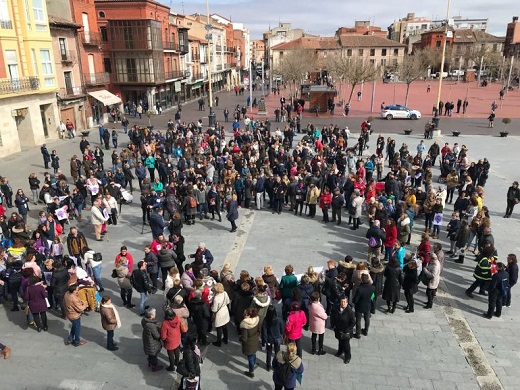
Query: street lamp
x,y
211,116
436,118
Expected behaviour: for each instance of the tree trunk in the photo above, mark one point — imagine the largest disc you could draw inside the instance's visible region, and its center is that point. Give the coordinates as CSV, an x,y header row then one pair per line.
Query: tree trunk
x,y
407,91
351,92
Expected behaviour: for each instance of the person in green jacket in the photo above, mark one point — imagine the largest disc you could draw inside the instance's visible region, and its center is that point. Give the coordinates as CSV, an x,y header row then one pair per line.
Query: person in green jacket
x,y
288,282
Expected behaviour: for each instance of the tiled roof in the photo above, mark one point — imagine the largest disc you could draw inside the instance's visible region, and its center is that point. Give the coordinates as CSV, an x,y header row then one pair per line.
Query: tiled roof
x,y
61,22
367,41
316,43
475,36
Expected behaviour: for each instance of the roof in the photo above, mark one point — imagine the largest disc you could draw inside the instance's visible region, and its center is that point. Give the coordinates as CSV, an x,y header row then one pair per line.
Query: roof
x,y
367,41
194,38
61,22
316,43
475,36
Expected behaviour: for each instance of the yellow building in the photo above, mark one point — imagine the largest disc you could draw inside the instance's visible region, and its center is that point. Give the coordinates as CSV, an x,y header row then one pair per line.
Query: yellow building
x,y
28,85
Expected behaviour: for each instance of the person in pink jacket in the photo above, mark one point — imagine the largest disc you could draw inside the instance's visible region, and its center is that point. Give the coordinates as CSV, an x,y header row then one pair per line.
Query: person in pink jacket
x,y
293,328
317,318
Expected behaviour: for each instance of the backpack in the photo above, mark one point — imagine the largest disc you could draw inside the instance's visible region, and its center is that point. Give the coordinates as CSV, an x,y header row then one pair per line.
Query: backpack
x,y
284,372
97,257
352,208
193,202
372,242
132,281
13,276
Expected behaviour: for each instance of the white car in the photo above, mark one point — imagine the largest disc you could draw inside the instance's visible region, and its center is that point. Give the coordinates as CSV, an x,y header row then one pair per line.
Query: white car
x,y
399,112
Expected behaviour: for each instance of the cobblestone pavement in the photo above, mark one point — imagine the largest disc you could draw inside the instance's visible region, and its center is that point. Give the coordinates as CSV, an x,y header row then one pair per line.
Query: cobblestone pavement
x,y
430,349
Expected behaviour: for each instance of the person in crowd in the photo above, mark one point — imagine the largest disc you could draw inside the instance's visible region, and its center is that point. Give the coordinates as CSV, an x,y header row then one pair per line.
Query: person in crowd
x,y
410,284
110,320
362,304
220,313
151,338
432,273
36,296
73,308
142,284
286,378
249,337
171,337
343,322
513,197
512,270
497,291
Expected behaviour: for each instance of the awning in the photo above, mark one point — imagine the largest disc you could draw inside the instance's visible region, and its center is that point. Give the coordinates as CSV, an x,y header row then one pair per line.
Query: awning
x,y
105,97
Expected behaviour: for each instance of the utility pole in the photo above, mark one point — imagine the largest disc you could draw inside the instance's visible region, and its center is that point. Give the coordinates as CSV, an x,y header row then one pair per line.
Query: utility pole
x,y
250,87
436,119
209,37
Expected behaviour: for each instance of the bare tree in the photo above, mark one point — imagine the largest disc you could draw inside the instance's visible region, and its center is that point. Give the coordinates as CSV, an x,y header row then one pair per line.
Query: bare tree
x,y
411,69
294,66
430,57
353,70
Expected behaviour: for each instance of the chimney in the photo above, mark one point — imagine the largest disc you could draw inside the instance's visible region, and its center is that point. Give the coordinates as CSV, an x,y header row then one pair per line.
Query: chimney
x,y
515,19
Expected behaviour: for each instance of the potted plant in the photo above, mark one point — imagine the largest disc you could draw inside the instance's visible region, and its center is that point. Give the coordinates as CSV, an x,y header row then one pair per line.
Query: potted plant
x,y
456,133
506,122
407,131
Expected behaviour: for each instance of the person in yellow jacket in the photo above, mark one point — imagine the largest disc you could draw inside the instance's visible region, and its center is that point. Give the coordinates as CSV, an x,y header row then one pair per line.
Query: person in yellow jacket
x,y
313,195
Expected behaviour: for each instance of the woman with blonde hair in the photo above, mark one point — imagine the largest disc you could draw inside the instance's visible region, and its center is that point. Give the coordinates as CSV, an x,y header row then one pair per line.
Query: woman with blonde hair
x,y
361,269
289,356
220,313
270,280
228,280
313,278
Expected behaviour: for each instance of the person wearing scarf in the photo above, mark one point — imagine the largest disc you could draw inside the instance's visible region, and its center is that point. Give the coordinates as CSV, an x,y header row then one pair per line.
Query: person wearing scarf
x,y
110,320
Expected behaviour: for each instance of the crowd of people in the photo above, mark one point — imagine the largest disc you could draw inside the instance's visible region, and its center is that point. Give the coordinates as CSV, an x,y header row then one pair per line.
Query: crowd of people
x,y
184,174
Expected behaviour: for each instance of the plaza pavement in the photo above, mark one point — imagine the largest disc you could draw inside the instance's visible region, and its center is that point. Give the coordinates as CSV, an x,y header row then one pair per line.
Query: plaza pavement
x,y
429,349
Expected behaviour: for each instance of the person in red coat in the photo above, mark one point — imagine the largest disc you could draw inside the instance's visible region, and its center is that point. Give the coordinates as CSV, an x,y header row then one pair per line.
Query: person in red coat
x,y
325,202
390,239
171,337
424,249
296,320
36,295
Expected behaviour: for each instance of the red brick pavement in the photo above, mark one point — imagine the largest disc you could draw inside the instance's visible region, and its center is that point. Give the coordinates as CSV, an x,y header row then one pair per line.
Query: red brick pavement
x,y
479,99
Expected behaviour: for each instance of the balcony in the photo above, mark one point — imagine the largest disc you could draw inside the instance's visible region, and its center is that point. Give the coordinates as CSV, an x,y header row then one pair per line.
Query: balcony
x,y
67,56
219,67
219,48
91,38
197,76
170,46
175,74
229,49
96,78
23,84
229,66
195,57
184,49
6,24
71,92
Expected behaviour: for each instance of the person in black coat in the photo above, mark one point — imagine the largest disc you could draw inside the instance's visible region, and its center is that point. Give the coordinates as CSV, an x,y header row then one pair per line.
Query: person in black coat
x,y
200,314
393,280
232,213
191,363
512,270
410,284
337,203
497,291
343,322
59,280
142,283
157,223
513,197
362,304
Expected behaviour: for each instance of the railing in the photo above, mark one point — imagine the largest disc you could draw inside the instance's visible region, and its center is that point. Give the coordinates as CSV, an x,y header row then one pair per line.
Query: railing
x,y
204,59
67,56
96,78
71,91
8,86
175,74
197,76
219,67
195,57
184,49
229,66
218,47
230,49
171,46
91,38
6,24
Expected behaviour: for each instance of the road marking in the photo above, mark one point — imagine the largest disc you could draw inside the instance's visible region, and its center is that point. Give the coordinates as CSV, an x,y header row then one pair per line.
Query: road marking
x,y
233,256
468,343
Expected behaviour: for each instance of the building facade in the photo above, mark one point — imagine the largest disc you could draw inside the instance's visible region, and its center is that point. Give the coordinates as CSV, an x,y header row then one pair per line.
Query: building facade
x,y
512,40
28,84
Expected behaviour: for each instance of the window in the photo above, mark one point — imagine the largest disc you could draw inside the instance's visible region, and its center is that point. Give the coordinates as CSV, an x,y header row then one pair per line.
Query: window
x,y
104,34
101,14
63,48
12,64
360,52
107,65
383,62
4,10
27,14
383,52
46,61
396,52
372,52
39,11
349,52
372,62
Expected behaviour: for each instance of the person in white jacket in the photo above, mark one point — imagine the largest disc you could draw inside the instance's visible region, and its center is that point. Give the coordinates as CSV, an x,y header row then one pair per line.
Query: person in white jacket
x,y
96,264
97,218
112,208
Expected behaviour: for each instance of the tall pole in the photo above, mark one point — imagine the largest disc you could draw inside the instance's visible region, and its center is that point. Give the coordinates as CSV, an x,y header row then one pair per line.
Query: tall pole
x,y
263,78
443,60
250,88
509,76
211,116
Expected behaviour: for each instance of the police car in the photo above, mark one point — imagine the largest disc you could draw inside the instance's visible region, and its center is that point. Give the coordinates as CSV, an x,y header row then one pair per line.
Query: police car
x,y
399,112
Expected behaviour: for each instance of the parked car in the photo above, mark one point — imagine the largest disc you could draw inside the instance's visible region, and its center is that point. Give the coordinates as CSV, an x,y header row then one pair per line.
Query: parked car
x,y
397,111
